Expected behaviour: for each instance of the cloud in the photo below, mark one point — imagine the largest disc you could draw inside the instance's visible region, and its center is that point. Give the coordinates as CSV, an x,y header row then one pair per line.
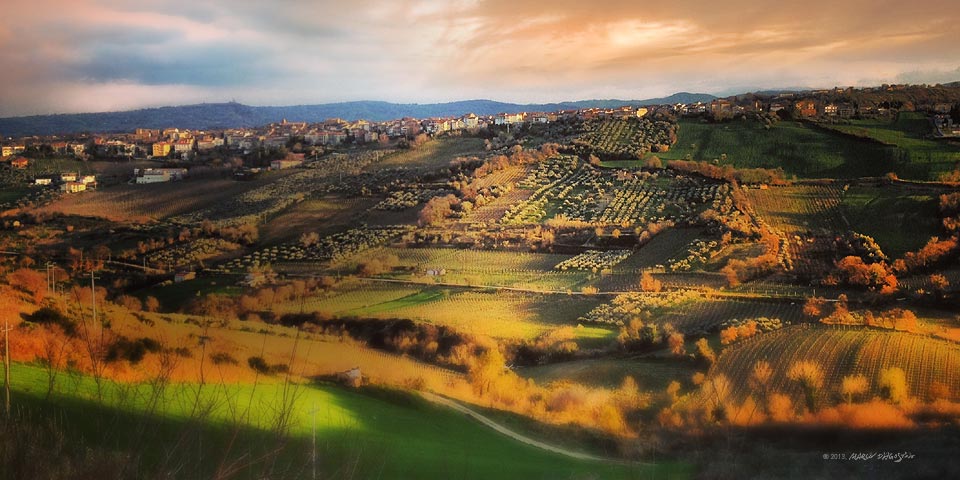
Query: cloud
x,y
132,53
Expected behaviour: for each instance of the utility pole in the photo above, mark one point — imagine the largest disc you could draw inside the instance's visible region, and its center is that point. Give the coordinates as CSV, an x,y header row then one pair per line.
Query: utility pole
x,y
93,296
6,366
313,443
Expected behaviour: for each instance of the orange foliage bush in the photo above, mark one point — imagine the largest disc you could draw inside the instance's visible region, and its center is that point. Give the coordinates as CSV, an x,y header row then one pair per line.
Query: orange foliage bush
x,y
875,414
933,252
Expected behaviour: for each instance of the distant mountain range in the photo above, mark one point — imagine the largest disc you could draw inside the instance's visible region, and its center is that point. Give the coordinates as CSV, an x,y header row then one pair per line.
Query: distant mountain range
x,y
235,115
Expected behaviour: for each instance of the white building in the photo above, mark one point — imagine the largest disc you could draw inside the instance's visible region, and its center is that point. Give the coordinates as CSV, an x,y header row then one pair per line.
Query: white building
x,y
157,175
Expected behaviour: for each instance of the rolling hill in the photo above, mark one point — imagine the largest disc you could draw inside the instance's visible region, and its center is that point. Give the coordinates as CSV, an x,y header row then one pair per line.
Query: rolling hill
x,y
235,115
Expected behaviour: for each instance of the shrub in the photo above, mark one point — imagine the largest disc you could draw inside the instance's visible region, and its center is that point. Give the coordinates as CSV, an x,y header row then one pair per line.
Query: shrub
x,y
131,350
223,358
52,316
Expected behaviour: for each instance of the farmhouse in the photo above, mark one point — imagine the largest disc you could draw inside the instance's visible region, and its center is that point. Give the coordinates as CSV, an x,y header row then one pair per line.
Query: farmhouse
x,y
43,181
845,110
806,108
19,163
73,187
157,175
352,377
286,163
69,177
183,276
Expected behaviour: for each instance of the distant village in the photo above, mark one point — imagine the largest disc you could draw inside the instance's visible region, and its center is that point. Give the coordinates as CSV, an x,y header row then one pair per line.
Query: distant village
x,y
177,150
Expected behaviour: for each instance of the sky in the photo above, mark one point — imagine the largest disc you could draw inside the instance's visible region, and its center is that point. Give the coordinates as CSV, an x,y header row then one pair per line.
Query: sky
x,y
67,56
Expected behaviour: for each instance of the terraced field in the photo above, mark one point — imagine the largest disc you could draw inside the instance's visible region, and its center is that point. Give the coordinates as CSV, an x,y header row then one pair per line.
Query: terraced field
x,y
929,363
808,219
688,312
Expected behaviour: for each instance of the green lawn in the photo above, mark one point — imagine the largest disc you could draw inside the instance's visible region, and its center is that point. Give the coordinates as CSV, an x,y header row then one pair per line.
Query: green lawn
x,y
800,149
899,219
367,433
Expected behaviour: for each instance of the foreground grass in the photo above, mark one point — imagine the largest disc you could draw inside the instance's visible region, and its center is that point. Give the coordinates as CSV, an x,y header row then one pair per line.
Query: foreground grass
x,y
359,434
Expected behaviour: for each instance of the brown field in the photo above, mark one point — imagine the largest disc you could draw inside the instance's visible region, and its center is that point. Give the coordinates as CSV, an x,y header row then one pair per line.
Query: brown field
x,y
434,154
140,203
319,215
658,250
492,212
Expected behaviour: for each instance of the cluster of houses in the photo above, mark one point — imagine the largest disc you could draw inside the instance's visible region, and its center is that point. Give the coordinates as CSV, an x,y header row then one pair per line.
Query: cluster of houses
x,y
804,107
187,144
69,182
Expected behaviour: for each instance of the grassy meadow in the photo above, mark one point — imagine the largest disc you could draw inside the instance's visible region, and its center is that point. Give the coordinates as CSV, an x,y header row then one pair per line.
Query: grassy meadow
x,y
276,427
906,132
899,219
799,148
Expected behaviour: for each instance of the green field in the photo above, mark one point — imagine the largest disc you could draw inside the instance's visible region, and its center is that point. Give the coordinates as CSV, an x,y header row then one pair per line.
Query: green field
x,y
652,374
368,433
899,219
506,315
533,271
172,296
800,149
906,132
12,194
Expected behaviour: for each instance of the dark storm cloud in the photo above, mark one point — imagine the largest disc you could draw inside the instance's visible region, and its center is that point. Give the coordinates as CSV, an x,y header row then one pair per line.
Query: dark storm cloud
x,y
209,66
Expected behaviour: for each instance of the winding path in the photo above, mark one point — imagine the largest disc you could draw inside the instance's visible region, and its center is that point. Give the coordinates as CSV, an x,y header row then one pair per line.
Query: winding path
x,y
446,402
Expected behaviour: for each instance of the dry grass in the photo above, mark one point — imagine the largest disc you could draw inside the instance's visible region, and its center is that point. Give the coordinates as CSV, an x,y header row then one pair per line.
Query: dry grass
x,y
313,216
139,203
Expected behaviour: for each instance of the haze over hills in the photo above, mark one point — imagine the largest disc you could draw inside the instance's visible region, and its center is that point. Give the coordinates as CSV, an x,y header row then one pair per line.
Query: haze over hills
x,y
235,115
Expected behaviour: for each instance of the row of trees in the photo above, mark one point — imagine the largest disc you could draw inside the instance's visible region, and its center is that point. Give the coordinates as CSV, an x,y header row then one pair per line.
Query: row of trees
x,y
730,174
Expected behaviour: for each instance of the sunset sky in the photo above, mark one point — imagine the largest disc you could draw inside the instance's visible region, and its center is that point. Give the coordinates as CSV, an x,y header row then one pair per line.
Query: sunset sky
x,y
99,55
